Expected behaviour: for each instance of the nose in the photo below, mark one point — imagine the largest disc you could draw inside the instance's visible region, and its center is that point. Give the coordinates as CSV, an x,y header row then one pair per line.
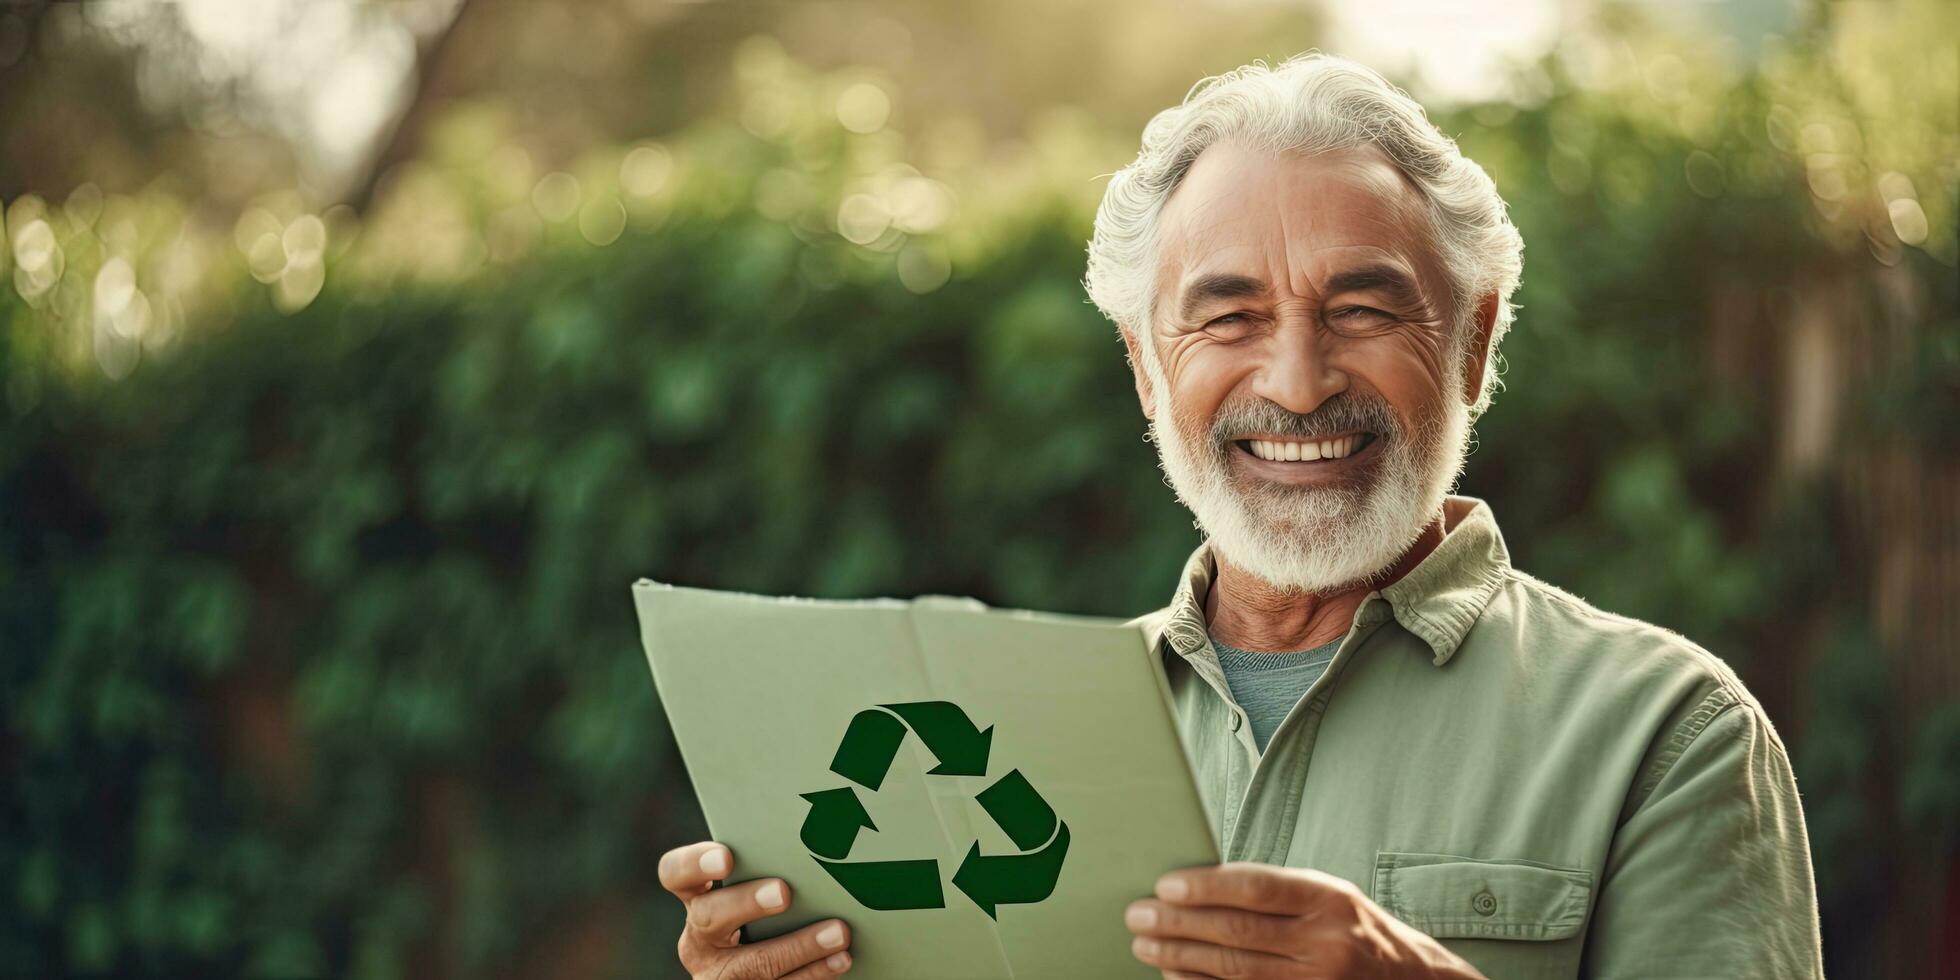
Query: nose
x,y
1296,375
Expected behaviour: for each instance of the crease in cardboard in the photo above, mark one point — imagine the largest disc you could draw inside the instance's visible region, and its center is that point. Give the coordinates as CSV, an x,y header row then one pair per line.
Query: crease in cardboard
x,y
1214,821
933,688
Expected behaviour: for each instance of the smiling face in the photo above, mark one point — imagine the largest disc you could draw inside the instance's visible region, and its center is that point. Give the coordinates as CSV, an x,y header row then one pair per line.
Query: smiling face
x,y
1307,362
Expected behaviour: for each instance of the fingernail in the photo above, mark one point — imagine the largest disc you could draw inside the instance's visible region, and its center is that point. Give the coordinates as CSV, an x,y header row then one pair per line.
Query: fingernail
x,y
1144,946
770,895
1172,889
1140,917
838,961
831,936
715,862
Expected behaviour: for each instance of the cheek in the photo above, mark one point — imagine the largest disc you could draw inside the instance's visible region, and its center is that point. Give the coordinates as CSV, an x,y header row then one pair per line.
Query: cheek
x,y
1201,374
1404,366
1407,373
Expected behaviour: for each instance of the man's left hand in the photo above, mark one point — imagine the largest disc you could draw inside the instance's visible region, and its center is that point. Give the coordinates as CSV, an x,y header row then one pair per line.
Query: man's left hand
x,y
1257,920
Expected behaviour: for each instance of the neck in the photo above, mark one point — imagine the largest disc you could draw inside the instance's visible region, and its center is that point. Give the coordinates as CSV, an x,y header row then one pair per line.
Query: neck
x,y
1244,611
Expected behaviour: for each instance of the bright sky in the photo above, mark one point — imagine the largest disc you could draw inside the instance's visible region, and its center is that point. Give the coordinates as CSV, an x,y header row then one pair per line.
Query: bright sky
x,y
1453,50
333,73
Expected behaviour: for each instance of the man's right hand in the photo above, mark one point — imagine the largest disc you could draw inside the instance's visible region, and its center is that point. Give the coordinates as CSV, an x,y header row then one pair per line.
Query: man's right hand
x,y
711,945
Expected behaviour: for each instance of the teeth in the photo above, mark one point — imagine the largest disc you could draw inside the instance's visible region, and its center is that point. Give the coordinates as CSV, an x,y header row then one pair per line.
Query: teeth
x,y
1304,451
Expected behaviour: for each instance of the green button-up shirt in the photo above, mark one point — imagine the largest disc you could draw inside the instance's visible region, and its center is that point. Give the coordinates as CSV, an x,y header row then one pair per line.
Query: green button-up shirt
x,y
1548,789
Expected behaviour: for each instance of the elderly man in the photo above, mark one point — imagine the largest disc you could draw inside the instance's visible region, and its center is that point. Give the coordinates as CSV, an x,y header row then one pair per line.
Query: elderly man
x,y
1421,761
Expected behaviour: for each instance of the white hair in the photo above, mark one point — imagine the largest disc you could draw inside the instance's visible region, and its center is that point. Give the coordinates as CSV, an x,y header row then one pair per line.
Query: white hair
x,y
1311,103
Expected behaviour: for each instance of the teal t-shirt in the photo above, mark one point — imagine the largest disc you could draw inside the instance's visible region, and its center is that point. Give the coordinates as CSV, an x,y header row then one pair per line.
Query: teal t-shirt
x,y
1268,685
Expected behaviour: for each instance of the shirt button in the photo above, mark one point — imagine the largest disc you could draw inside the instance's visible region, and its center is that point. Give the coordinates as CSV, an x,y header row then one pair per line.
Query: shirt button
x,y
1485,903
1235,721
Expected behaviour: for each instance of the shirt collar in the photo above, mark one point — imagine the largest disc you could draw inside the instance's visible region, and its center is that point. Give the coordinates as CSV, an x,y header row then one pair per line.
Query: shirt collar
x,y
1438,600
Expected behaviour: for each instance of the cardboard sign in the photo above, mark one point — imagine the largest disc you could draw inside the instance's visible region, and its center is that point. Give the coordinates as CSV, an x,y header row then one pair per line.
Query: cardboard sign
x,y
978,792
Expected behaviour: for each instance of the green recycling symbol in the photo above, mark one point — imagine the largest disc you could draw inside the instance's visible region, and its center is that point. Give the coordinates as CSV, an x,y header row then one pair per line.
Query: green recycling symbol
x,y
864,757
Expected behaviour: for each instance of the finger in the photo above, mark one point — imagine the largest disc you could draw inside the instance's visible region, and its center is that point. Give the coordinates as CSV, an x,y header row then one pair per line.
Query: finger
x,y
788,953
719,914
1249,886
829,966
690,870
1222,926
1208,959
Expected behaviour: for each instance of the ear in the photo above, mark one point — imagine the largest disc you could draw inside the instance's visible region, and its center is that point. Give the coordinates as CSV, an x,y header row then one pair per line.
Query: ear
x,y
1478,353
1145,395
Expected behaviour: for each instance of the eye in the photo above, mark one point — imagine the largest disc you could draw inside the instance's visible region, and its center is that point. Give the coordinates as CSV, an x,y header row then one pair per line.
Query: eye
x,y
1229,318
1359,319
1358,312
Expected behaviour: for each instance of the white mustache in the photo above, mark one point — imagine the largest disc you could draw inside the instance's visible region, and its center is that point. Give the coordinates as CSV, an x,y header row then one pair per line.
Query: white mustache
x,y
1272,420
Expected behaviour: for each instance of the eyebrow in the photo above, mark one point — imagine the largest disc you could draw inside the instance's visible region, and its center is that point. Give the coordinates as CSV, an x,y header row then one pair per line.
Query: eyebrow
x,y
1387,279
1217,286
1390,280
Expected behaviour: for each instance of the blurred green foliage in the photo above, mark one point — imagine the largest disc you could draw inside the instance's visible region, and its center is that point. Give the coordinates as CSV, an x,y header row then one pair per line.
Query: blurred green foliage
x,y
319,657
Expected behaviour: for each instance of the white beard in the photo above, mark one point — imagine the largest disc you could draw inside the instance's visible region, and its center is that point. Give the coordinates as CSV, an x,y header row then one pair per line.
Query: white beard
x,y
1313,539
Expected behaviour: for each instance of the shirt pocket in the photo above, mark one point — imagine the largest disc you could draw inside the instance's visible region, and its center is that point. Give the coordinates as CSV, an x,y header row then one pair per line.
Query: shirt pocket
x,y
1450,896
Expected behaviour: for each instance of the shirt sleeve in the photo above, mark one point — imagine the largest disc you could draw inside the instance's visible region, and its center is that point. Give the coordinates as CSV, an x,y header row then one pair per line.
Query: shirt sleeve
x,y
1711,875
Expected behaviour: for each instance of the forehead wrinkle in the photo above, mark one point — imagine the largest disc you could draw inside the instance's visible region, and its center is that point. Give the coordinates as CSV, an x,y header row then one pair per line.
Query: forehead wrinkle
x,y
1207,221
1409,216
1390,230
